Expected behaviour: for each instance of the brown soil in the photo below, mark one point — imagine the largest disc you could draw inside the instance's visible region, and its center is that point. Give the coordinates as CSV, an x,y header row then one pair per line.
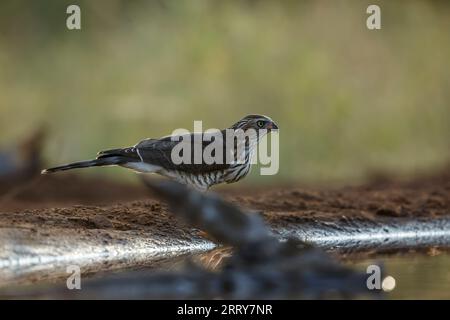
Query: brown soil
x,y
66,190
426,196
70,201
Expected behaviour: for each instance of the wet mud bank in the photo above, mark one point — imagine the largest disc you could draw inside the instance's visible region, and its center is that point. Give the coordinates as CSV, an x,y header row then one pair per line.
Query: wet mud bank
x,y
42,232
30,255
359,235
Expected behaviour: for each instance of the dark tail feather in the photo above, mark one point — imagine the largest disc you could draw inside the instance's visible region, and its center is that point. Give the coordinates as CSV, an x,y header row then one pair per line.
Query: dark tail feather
x,y
106,161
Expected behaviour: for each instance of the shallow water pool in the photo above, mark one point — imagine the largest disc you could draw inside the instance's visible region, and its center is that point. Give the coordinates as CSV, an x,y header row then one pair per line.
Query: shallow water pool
x,y
417,276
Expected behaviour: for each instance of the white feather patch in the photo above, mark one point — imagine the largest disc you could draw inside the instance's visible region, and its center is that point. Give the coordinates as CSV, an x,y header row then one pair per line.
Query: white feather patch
x,y
142,167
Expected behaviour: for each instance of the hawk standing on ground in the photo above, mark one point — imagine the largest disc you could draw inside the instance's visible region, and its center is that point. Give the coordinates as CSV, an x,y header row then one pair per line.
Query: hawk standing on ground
x,y
156,155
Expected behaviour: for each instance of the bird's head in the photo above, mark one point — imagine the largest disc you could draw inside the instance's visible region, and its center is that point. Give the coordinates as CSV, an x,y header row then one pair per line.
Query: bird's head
x,y
255,122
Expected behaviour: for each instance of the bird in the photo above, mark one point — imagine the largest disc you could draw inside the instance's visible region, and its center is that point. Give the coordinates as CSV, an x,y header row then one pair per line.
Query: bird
x,y
23,160
156,155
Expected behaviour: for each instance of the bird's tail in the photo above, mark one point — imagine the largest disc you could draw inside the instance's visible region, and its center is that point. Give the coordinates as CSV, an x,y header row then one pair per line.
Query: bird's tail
x,y
101,161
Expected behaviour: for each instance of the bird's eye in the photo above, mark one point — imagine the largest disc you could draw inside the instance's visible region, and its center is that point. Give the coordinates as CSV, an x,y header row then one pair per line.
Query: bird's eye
x,y
260,123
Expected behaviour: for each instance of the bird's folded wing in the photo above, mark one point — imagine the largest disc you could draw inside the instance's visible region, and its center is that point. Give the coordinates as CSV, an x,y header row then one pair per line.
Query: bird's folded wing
x,y
159,152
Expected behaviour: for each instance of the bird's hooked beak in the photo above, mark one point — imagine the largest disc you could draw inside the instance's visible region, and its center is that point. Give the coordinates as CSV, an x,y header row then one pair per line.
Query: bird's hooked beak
x,y
272,126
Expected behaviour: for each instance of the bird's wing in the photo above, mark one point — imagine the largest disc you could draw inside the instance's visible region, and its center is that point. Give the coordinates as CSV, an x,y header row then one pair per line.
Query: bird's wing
x,y
159,152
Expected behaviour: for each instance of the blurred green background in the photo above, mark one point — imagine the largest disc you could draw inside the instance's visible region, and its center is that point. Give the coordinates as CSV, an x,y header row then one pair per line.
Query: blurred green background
x,y
349,101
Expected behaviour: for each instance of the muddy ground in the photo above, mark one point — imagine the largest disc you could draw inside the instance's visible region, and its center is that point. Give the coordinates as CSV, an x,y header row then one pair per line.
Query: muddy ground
x,y
71,201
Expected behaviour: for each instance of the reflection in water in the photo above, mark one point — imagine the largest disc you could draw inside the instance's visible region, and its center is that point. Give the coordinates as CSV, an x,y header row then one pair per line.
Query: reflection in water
x,y
417,276
214,259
